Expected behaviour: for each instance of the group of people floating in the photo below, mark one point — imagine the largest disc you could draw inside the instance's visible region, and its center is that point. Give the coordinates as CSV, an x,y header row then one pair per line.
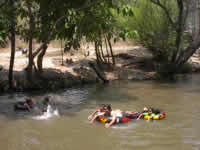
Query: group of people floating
x,y
104,113
28,105
108,116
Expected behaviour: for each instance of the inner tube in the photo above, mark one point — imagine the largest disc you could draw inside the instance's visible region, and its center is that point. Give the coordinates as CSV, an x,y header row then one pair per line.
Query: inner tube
x,y
20,106
159,116
106,119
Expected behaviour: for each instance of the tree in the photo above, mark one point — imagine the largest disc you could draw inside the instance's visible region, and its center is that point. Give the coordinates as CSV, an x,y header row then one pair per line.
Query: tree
x,y
161,27
12,39
30,40
182,52
95,25
3,23
8,28
44,21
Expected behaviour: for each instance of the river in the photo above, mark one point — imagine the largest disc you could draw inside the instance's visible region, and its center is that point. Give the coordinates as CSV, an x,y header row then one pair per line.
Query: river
x,y
71,129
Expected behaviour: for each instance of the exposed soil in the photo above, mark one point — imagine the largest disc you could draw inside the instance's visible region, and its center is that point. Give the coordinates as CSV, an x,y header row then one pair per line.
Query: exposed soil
x,y
132,63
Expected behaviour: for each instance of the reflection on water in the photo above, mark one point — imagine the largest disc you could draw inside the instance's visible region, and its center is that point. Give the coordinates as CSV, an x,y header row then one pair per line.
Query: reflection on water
x,y
71,130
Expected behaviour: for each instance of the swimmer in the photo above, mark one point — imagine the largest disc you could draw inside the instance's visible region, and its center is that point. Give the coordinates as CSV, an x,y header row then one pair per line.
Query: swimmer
x,y
24,106
98,112
149,112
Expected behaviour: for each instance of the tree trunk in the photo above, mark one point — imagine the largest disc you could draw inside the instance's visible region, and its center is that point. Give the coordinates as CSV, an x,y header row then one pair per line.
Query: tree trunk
x,y
62,52
108,58
189,51
40,59
12,39
30,63
102,54
98,73
111,51
30,39
179,30
96,52
99,53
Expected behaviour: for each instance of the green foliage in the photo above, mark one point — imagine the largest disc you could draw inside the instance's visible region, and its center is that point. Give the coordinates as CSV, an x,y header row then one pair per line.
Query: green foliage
x,y
3,33
127,33
186,68
126,10
168,71
158,27
4,25
91,24
123,25
150,26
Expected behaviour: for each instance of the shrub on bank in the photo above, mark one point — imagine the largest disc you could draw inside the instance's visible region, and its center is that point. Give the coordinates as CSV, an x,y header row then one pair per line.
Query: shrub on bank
x,y
168,71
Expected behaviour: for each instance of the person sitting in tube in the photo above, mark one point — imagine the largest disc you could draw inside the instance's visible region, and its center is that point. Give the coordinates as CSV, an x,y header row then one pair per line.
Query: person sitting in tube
x,y
149,112
98,112
115,114
119,114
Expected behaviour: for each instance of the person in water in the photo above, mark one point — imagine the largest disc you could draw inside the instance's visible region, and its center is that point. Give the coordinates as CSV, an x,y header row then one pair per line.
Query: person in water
x,y
45,102
24,106
102,111
148,112
116,115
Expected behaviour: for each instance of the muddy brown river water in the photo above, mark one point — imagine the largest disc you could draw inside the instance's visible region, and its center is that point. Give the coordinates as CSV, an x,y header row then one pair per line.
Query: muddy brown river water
x,y
180,130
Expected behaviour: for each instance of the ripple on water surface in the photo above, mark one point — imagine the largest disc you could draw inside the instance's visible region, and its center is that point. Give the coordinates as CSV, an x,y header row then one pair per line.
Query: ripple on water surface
x,y
179,130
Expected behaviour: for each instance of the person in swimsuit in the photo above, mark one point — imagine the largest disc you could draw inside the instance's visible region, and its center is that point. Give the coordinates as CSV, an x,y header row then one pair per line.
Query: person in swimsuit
x,y
115,114
149,112
24,106
98,112
118,114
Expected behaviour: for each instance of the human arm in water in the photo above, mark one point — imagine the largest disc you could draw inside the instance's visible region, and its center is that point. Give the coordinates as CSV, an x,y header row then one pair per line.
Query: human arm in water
x,y
92,114
140,116
95,117
28,107
131,112
107,125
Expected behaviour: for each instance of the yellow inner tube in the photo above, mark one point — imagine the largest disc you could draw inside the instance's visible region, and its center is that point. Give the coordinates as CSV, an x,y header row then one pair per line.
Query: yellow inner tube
x,y
156,117
103,119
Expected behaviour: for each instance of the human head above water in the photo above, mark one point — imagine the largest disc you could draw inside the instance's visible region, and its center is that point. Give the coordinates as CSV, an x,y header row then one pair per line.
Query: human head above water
x,y
105,107
46,100
145,109
102,107
150,110
29,101
108,107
